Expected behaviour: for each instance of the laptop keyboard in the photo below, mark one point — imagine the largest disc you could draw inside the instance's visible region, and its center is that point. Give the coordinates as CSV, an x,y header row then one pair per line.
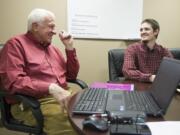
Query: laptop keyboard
x,y
139,102
92,101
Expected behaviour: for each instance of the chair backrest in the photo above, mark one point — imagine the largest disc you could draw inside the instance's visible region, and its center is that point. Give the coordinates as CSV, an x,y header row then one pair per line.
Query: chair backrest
x,y
116,59
115,62
1,46
175,52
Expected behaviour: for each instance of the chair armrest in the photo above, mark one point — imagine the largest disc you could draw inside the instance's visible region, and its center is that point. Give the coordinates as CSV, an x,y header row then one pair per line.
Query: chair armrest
x,y
79,82
11,123
28,100
34,104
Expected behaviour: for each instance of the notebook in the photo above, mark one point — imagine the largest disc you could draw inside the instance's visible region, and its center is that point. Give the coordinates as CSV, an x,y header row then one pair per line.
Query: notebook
x,y
113,86
158,96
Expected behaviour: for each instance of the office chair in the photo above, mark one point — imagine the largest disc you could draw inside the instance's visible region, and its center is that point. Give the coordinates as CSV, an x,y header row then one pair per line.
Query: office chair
x,y
9,122
13,124
115,63
176,53
116,59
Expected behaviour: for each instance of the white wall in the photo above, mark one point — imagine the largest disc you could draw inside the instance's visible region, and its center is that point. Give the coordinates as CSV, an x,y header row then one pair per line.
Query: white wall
x,y
91,53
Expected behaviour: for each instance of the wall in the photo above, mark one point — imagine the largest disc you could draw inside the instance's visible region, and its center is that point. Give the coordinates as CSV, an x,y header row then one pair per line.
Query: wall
x,y
91,53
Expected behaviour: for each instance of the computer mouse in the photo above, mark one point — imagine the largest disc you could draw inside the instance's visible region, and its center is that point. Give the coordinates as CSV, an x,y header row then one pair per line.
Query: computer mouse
x,y
96,124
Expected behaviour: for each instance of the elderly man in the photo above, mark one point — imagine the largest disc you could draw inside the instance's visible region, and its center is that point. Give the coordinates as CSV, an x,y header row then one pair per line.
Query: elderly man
x,y
31,65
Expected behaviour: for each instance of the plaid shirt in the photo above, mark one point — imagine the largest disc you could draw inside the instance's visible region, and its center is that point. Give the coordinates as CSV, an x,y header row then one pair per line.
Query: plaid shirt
x,y
140,62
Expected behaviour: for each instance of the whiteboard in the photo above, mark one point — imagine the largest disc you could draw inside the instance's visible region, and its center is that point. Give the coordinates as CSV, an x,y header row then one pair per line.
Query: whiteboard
x,y
105,19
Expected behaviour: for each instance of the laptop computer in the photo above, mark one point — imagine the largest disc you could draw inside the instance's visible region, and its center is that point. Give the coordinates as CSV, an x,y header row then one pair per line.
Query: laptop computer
x,y
159,95
154,101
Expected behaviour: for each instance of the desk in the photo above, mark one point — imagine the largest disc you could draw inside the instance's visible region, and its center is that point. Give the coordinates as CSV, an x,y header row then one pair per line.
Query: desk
x,y
173,112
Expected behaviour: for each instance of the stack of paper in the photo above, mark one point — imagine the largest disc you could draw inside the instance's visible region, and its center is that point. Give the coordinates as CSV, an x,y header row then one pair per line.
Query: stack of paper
x,y
164,127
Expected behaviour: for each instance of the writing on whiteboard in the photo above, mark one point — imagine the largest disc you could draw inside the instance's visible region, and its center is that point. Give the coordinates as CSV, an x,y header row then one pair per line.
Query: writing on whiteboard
x,y
84,25
105,19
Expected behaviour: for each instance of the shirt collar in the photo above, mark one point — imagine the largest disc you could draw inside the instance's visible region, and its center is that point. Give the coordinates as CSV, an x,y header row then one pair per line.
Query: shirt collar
x,y
144,46
33,39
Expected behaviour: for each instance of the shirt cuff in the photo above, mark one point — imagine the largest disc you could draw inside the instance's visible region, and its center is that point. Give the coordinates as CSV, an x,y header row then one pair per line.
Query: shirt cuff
x,y
42,87
70,53
146,78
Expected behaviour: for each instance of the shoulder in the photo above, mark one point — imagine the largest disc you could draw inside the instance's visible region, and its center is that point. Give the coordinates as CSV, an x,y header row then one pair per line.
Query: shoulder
x,y
10,44
160,48
164,51
15,41
13,47
18,38
137,46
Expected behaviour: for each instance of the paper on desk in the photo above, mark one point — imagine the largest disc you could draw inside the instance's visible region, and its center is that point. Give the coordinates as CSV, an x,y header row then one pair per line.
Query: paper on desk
x,y
113,86
164,127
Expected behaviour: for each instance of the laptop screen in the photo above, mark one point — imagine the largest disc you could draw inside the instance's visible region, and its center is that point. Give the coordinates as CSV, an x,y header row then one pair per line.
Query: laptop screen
x,y
166,81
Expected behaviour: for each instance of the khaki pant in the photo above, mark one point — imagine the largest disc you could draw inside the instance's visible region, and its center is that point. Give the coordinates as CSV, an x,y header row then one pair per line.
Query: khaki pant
x,y
55,120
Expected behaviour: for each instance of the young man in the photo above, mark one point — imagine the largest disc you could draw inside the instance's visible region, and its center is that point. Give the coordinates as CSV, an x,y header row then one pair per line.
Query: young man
x,y
142,59
31,65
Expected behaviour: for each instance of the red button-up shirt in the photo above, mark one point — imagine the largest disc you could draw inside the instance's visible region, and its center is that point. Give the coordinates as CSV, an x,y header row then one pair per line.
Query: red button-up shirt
x,y
140,62
28,67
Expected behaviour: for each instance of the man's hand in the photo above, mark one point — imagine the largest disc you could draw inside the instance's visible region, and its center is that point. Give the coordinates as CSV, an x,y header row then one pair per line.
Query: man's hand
x,y
61,95
67,40
152,77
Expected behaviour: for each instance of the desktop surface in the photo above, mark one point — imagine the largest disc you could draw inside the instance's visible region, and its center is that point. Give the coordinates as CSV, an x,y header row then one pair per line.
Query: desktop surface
x,y
76,120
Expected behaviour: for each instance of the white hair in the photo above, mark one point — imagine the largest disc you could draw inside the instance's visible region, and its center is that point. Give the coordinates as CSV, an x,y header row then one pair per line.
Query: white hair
x,y
38,15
